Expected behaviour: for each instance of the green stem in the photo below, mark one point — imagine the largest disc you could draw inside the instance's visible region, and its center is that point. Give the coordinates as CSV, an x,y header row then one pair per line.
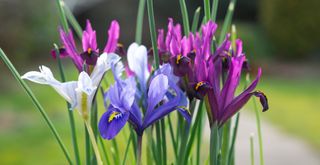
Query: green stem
x,y
174,143
152,28
36,103
70,113
94,143
139,25
164,142
139,149
87,146
185,17
74,23
226,141
62,15
233,140
258,121
214,10
207,9
195,20
251,150
227,20
104,150
127,149
214,144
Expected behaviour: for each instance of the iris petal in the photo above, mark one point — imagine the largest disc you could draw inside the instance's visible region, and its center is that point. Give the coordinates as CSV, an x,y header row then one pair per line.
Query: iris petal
x,y
112,122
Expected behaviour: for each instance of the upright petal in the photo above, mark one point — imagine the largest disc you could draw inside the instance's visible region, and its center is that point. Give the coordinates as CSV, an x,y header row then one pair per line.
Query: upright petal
x,y
232,80
113,37
158,88
104,63
89,39
69,44
85,84
138,62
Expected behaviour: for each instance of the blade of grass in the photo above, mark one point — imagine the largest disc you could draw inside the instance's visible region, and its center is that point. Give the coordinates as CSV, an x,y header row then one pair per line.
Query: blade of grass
x,y
127,149
174,143
195,127
214,10
227,20
35,101
116,155
199,138
258,121
70,113
164,141
233,140
152,28
139,25
206,4
195,20
185,17
251,149
62,15
104,150
73,21
87,146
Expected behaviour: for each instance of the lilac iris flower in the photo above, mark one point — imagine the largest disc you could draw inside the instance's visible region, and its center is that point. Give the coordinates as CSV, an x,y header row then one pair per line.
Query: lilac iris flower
x,y
162,96
90,51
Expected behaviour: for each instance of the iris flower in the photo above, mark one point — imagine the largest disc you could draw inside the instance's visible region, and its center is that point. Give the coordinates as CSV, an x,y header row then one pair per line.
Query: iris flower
x,y
78,93
222,101
90,51
162,97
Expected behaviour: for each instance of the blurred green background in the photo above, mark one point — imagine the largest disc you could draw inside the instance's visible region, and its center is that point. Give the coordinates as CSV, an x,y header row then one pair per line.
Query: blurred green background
x,y
281,36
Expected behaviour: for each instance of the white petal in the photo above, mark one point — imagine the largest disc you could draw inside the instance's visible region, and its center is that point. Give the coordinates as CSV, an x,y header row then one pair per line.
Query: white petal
x,y
138,61
85,84
103,64
45,76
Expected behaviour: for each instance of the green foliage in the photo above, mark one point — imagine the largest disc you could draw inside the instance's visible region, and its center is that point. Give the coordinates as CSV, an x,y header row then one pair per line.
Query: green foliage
x,y
293,25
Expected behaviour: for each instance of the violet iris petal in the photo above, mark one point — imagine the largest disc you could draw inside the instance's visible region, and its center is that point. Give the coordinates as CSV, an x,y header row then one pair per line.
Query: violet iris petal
x,y
69,44
89,39
113,37
112,122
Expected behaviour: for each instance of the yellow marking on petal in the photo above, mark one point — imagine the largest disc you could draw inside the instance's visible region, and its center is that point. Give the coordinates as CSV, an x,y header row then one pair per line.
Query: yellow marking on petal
x,y
84,106
112,116
178,59
119,45
198,85
89,51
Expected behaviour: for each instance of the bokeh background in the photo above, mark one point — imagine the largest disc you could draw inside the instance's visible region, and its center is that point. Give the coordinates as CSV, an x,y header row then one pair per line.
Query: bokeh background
x,y
281,36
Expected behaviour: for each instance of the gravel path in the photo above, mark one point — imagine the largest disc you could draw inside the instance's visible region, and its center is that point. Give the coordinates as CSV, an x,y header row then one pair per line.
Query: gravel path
x,y
279,147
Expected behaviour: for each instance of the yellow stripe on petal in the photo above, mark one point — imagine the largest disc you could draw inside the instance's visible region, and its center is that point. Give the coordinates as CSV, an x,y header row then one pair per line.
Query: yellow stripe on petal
x,y
113,115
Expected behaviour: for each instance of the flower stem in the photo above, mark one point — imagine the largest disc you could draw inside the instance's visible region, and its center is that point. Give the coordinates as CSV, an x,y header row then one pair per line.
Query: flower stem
x,y
259,132
185,17
36,103
152,28
214,144
251,150
94,143
206,10
70,112
139,25
139,149
62,15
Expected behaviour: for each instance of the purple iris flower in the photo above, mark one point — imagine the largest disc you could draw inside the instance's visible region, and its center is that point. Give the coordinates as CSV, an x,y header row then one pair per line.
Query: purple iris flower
x,y
223,102
124,107
90,51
